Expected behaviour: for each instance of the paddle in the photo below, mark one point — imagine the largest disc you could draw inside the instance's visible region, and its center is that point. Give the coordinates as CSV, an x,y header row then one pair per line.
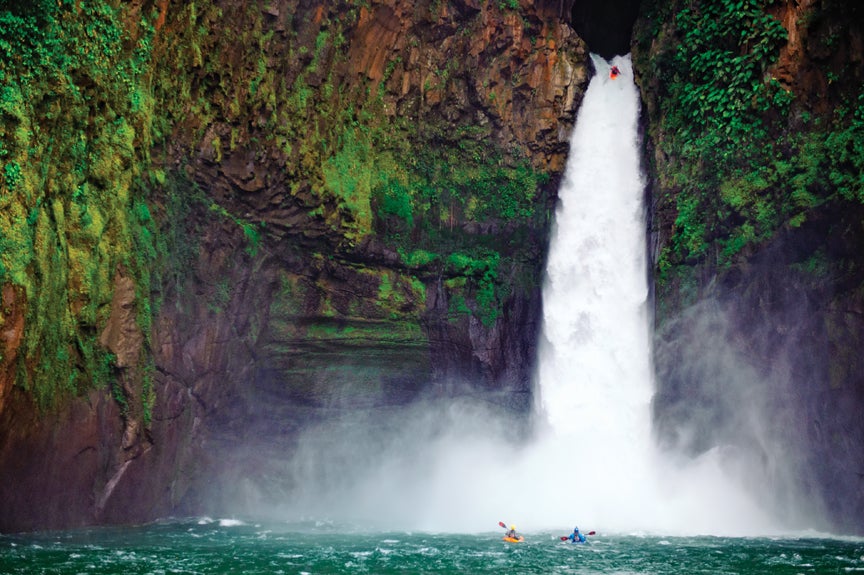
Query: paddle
x,y
566,537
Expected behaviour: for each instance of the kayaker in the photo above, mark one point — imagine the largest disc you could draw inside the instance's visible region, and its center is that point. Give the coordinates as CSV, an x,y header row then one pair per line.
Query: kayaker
x,y
512,532
576,536
614,72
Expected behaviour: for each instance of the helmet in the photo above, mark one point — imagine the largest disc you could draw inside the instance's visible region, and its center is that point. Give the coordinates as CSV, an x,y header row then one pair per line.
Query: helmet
x,y
575,530
513,527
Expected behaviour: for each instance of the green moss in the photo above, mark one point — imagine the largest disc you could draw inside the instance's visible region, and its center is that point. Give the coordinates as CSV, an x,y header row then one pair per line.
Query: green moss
x,y
350,175
418,258
250,231
74,120
386,296
220,297
148,394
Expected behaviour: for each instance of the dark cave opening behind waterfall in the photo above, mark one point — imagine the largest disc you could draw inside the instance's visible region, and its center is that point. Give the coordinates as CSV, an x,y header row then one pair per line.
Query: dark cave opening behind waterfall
x,y
606,26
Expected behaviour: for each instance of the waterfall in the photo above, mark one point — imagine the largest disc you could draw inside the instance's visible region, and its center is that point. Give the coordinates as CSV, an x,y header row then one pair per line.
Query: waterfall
x,y
594,359
594,372
594,376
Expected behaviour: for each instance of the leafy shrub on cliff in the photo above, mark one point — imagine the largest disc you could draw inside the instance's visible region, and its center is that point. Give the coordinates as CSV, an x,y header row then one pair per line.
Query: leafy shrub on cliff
x,y
845,151
23,34
742,158
717,97
719,90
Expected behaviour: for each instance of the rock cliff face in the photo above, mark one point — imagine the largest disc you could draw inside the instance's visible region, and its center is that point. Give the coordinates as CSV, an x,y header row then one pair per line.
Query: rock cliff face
x,y
343,206
226,221
759,279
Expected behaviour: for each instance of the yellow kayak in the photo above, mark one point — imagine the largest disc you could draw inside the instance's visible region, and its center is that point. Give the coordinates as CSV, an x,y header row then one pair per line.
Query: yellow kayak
x,y
519,539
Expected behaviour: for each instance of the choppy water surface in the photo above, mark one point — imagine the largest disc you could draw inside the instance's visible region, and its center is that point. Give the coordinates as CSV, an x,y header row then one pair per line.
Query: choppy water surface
x,y
204,546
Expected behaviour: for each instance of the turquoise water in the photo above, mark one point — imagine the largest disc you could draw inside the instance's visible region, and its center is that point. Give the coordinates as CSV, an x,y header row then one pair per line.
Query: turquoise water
x,y
232,547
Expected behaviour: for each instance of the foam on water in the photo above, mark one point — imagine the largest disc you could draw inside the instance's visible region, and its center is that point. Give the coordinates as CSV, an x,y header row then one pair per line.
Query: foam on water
x,y
168,548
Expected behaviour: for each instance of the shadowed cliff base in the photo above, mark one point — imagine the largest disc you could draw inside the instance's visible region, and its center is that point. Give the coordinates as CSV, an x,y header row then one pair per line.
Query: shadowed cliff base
x,y
605,26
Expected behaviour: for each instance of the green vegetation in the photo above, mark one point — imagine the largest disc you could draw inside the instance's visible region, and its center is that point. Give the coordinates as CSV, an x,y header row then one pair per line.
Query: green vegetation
x,y
716,99
720,90
74,127
744,162
362,170
107,108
